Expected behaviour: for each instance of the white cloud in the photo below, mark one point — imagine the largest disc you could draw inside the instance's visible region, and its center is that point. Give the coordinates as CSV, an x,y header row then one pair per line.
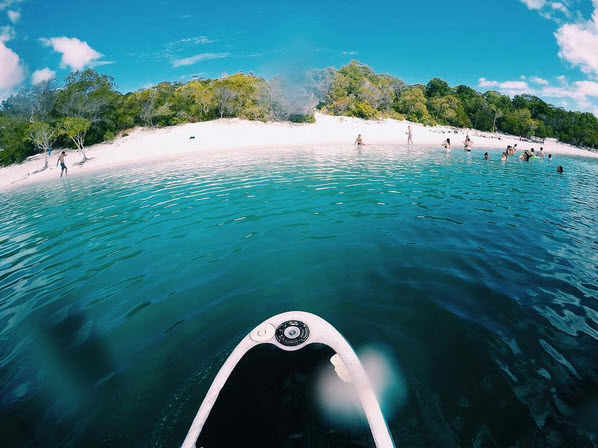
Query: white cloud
x,y
506,85
44,74
198,58
538,80
6,33
514,85
14,16
351,53
76,54
534,4
549,9
8,3
196,40
12,69
558,6
578,43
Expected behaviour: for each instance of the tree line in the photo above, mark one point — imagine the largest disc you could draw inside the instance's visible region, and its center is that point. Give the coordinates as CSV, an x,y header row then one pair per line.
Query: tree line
x,y
89,109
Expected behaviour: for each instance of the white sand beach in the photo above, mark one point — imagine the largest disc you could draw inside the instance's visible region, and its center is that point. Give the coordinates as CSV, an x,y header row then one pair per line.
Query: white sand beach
x,y
147,144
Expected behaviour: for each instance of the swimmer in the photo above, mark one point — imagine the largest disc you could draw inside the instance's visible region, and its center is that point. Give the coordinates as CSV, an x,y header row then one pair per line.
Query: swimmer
x,y
503,157
541,153
550,157
447,144
468,144
358,140
487,156
560,169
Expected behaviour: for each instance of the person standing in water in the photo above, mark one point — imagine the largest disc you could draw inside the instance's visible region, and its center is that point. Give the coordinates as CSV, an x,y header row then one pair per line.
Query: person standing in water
x,y
550,157
409,136
447,144
468,144
63,168
486,156
358,141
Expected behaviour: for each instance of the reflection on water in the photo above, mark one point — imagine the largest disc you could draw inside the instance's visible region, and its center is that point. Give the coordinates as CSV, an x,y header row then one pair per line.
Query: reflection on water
x,y
121,293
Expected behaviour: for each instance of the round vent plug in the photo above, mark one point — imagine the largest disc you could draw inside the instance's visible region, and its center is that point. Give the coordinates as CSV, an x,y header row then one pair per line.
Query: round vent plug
x,y
292,333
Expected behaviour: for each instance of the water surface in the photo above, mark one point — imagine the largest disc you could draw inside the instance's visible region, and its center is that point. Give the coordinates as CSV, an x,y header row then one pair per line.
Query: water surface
x,y
122,292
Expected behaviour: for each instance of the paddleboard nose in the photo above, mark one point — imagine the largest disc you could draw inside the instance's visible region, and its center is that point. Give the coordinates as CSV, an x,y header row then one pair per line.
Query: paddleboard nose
x,y
292,333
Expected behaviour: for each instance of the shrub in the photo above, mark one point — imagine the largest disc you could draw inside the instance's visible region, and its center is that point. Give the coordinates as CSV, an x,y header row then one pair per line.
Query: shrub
x,y
302,118
109,136
362,109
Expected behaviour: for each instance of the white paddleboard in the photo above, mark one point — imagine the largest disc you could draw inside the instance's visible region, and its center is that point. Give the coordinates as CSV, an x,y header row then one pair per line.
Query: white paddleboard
x,y
269,391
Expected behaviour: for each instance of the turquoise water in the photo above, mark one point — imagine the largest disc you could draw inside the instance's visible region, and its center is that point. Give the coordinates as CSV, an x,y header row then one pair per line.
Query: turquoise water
x,y
122,292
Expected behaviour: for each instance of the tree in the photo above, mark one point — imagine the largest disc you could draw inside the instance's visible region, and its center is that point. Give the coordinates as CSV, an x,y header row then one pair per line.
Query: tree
x,y
413,105
437,87
148,108
225,97
86,94
448,109
42,135
519,122
198,98
75,128
33,103
14,144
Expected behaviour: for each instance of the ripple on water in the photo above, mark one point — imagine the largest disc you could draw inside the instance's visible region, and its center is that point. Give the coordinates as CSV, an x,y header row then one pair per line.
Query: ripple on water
x,y
134,284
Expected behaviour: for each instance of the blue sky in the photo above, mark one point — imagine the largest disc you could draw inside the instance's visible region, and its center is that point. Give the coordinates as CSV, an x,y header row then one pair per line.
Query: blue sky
x,y
544,47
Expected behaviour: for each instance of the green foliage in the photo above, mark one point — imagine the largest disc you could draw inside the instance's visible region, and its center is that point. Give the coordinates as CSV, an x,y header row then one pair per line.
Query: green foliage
x,y
413,105
448,109
14,144
437,88
41,134
75,129
357,91
301,118
109,136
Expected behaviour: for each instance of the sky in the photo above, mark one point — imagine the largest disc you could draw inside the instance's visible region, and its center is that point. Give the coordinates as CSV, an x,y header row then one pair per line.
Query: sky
x,y
543,47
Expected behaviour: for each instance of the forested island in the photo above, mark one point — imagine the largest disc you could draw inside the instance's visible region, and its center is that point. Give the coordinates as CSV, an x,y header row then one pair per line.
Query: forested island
x,y
89,109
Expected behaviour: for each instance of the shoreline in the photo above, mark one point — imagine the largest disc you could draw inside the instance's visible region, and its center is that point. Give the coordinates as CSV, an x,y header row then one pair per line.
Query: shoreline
x,y
151,144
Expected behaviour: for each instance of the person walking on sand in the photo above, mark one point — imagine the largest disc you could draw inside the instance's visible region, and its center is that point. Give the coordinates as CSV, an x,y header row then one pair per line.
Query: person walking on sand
x,y
409,136
447,144
358,141
63,168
